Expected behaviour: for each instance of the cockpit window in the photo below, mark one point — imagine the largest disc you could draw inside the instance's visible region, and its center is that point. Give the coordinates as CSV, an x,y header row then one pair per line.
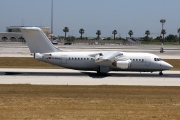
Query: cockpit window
x,y
157,59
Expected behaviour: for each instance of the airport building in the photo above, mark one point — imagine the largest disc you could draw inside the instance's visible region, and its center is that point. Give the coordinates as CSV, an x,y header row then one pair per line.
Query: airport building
x,y
13,33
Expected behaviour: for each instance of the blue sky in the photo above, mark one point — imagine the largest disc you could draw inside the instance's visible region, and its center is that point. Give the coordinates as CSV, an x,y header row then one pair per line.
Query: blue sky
x,y
93,15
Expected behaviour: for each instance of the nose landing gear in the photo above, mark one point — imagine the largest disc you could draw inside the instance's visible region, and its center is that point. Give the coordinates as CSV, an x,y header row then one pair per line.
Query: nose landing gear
x,y
160,73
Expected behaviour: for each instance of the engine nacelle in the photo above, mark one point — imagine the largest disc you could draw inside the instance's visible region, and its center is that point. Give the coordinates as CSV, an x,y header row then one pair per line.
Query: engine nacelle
x,y
38,56
122,64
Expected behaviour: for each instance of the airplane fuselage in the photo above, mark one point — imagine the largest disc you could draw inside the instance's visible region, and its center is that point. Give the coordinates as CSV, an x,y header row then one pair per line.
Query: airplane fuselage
x,y
143,62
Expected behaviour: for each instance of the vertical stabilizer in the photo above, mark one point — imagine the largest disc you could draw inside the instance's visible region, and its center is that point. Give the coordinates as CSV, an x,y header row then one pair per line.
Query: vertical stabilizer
x,y
37,41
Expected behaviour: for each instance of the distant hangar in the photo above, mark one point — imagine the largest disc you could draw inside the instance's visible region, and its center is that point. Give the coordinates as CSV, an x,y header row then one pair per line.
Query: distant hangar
x,y
13,33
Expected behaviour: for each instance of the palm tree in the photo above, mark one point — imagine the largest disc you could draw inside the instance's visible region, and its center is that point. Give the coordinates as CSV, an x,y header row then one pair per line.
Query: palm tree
x,y
66,29
98,33
130,33
114,32
81,31
179,34
147,35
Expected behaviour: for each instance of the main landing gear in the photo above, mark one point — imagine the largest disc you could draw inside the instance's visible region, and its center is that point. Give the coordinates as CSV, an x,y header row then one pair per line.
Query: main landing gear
x,y
160,73
101,73
102,70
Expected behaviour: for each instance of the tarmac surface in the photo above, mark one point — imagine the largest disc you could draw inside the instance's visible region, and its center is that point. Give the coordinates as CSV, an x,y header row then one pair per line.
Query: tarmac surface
x,y
74,77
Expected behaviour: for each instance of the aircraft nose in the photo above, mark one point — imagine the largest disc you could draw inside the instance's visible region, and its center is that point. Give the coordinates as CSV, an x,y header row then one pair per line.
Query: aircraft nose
x,y
166,65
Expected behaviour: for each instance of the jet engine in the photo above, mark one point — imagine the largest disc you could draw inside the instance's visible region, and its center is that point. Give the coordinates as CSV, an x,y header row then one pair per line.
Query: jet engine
x,y
125,64
38,56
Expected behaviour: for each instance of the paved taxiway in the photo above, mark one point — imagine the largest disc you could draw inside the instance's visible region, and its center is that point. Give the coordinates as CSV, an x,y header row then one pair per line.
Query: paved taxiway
x,y
73,77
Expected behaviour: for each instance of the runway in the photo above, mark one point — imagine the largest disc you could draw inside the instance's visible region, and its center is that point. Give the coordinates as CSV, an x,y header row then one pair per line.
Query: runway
x,y
74,77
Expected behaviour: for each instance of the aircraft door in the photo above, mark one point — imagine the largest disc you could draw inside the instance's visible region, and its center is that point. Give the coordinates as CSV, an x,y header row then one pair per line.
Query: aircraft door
x,y
147,61
64,59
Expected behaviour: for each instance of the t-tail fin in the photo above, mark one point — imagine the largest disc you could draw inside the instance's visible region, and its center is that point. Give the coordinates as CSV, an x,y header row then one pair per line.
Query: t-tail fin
x,y
37,41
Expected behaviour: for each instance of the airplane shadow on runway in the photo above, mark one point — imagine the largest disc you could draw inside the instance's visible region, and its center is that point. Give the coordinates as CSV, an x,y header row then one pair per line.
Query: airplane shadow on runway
x,y
136,74
90,74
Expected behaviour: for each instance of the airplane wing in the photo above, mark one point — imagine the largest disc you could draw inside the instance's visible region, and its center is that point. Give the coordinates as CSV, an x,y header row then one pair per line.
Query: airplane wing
x,y
112,58
106,56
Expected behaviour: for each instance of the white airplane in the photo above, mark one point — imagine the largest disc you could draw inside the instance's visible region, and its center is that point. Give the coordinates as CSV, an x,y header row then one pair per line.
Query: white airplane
x,y
100,61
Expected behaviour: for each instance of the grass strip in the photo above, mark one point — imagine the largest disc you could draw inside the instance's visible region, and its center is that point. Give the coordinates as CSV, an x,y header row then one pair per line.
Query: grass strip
x,y
24,62
27,62
89,102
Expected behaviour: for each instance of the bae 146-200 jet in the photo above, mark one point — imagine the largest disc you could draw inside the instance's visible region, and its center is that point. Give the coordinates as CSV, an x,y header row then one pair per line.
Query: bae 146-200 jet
x,y
100,61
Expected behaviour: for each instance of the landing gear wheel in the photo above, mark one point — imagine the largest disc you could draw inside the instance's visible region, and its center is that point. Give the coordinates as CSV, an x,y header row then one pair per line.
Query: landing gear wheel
x,y
160,73
98,71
